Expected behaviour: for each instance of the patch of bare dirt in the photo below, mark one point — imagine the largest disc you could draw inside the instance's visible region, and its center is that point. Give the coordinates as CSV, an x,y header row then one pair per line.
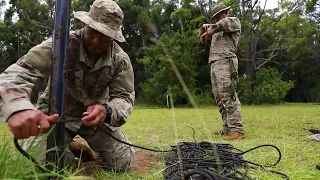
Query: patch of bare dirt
x,y
89,167
143,162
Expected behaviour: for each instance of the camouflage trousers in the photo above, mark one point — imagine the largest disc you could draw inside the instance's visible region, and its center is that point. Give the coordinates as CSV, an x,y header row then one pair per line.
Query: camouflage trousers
x,y
114,155
225,93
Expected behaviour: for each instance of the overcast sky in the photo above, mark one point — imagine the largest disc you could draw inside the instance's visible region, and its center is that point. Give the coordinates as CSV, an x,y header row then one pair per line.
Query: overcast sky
x,y
270,4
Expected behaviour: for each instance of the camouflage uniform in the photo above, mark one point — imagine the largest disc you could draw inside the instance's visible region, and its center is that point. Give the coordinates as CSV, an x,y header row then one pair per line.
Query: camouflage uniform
x,y
224,67
110,80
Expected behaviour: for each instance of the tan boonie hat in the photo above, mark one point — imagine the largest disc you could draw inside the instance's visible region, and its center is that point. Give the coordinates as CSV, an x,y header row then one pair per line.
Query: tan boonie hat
x,y
218,9
104,16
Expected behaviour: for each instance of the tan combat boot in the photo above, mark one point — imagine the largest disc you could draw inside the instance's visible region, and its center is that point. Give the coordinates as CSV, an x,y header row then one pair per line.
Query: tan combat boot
x,y
233,135
81,151
220,132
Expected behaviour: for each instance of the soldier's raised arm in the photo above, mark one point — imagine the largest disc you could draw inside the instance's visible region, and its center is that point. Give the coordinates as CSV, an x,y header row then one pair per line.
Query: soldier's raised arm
x,y
227,24
203,35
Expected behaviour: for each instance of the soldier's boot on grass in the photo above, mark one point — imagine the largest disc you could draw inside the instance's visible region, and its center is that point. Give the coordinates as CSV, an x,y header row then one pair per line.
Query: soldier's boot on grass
x,y
81,151
221,132
234,135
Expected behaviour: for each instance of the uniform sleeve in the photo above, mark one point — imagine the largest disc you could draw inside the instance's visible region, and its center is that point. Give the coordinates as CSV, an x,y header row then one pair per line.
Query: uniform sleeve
x,y
18,80
229,24
121,93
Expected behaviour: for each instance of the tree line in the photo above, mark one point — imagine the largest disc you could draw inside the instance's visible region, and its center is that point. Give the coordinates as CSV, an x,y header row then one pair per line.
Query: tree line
x,y
278,50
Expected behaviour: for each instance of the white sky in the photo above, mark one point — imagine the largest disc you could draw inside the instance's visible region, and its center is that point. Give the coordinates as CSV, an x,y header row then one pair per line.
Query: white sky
x,y
270,5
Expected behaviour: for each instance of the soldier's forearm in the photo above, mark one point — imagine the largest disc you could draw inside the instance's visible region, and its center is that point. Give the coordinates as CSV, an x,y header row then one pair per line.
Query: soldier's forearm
x,y
121,109
16,85
216,28
204,28
229,24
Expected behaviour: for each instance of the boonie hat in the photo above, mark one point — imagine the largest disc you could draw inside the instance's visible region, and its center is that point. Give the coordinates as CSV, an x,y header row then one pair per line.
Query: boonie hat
x,y
104,16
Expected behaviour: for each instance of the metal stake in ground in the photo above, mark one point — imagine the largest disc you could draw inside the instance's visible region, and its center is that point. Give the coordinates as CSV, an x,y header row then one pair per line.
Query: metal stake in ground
x,y
58,82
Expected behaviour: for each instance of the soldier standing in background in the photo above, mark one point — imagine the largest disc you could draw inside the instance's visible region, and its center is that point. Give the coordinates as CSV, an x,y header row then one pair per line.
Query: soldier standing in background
x,y
224,35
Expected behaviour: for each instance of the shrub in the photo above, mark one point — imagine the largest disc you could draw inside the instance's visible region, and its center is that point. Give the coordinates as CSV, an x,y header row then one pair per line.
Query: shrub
x,y
268,87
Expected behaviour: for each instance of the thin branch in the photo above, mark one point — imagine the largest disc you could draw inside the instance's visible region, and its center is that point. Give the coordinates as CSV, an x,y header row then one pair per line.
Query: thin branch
x,y
260,15
267,60
264,59
275,62
28,39
266,50
244,14
254,4
38,24
275,23
314,16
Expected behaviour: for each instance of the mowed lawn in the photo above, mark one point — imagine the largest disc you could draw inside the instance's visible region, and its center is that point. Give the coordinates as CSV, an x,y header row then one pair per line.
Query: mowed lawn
x,y
281,125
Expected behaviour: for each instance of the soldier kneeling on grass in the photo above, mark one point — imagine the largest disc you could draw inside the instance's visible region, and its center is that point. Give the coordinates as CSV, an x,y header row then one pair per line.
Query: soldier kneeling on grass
x,y
100,89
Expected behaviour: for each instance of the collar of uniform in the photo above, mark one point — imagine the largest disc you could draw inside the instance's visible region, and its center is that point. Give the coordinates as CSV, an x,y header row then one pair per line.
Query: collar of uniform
x,y
104,60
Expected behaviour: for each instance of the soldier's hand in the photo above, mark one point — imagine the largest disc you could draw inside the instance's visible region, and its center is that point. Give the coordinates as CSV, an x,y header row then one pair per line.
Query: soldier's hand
x,y
205,27
95,115
30,123
204,38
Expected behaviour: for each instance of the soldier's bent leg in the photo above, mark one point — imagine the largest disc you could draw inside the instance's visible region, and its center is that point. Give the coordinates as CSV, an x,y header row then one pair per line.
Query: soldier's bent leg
x,y
215,92
222,72
37,147
115,156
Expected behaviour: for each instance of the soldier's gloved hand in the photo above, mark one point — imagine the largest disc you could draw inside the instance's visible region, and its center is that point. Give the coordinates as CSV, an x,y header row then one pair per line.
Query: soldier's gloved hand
x,y
28,123
205,27
95,115
208,31
202,30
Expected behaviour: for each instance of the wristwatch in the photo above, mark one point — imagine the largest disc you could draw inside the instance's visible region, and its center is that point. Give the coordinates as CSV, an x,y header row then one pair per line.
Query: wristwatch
x,y
109,113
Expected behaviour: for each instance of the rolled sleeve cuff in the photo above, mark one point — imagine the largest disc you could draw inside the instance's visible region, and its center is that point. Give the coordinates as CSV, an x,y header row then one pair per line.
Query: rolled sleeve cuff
x,y
15,106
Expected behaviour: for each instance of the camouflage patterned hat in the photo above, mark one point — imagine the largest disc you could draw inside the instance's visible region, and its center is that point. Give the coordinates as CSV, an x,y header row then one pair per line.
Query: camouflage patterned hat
x,y
104,16
218,9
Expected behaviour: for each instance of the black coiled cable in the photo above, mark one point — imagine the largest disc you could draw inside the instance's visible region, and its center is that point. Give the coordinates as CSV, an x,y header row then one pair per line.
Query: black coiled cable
x,y
211,161
193,160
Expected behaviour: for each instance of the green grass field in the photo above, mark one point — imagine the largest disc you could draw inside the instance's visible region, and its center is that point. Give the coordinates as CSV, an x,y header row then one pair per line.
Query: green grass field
x,y
281,125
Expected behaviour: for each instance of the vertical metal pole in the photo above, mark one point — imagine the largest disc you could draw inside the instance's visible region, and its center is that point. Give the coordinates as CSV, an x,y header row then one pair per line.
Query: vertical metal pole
x,y
58,81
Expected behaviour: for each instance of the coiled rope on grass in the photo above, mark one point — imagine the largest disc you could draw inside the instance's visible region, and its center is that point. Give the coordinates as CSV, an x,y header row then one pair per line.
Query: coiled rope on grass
x,y
211,161
200,161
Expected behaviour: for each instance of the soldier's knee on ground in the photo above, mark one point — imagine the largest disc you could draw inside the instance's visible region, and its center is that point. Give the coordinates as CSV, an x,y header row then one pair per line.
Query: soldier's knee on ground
x,y
119,163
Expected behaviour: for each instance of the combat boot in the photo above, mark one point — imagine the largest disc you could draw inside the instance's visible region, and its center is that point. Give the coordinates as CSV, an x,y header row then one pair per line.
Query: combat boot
x,y
81,151
221,132
234,135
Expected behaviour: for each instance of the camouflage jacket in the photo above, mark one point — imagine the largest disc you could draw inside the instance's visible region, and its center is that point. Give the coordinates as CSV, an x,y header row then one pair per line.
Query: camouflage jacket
x,y
224,43
110,81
